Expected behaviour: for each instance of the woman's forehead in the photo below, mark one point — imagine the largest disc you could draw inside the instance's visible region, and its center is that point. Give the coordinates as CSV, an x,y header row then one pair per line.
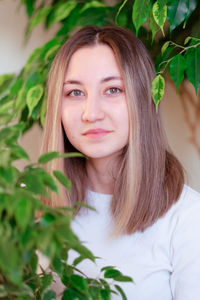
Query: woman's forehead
x,y
93,61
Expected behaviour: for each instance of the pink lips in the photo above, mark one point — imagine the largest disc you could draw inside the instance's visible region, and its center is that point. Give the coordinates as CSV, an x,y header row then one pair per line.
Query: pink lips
x,y
96,133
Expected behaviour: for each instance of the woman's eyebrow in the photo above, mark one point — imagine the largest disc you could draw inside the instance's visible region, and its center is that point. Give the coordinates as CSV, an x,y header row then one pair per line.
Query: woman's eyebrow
x,y
106,79
71,81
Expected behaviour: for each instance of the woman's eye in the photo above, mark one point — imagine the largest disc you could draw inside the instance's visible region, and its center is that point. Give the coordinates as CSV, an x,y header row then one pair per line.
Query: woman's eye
x,y
113,90
75,93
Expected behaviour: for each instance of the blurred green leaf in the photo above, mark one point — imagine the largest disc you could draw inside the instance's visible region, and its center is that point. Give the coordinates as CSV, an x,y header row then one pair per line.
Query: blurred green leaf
x,y
9,261
117,275
6,107
23,212
18,152
70,294
164,47
105,295
187,40
61,11
79,283
48,181
45,158
8,174
192,58
38,18
92,4
49,295
33,97
119,289
5,81
179,10
141,10
20,101
62,179
177,68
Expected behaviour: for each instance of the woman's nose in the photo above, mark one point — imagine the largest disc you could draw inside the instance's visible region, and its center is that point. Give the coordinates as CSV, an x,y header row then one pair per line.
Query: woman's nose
x,y
92,109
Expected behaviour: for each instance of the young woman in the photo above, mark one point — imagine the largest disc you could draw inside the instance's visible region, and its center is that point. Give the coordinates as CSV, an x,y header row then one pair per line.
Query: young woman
x,y
147,223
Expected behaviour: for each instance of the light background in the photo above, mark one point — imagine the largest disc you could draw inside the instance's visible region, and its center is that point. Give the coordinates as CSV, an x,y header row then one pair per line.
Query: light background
x,y
14,53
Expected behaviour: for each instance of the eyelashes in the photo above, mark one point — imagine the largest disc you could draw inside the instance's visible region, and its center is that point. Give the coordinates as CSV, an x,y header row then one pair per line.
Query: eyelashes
x,y
76,93
113,90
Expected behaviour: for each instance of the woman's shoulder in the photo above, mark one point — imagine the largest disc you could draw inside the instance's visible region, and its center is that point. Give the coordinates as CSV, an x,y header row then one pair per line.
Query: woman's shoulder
x,y
184,212
188,200
184,216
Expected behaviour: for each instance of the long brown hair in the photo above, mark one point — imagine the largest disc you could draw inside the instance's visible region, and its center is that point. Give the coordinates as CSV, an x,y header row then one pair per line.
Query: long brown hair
x,y
150,178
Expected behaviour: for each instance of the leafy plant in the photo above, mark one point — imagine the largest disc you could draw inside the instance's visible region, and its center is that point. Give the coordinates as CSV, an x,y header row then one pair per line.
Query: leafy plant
x,y
28,227
169,28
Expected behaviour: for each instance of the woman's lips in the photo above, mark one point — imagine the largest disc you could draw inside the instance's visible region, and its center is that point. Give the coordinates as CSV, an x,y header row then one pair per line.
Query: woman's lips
x,y
96,133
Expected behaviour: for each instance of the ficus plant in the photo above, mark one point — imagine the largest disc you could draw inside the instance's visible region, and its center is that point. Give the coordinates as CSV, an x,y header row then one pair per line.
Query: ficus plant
x,y
29,229
170,29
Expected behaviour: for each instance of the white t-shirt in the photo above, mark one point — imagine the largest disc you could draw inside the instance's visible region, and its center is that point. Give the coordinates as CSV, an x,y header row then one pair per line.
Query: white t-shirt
x,y
164,260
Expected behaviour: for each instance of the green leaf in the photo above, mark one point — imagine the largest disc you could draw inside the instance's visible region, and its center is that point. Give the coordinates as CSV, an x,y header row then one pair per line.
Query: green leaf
x,y
33,79
51,52
105,295
117,275
177,68
187,40
6,107
160,14
79,283
48,181
38,18
20,101
92,4
16,86
108,268
192,57
4,157
164,47
43,111
158,88
61,11
78,260
29,7
45,158
23,212
180,10
70,294
153,25
119,289
34,183
8,174
62,179
5,81
9,260
141,10
49,295
18,152
33,97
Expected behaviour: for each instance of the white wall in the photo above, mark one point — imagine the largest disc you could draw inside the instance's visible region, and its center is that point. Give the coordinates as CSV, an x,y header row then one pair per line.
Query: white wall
x,y
13,54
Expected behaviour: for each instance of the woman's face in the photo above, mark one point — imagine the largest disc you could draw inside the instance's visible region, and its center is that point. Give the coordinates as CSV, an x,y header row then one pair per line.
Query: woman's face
x,y
94,108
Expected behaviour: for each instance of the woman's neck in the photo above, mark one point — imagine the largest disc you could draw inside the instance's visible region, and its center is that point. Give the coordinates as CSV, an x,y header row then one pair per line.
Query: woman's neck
x,y
100,175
